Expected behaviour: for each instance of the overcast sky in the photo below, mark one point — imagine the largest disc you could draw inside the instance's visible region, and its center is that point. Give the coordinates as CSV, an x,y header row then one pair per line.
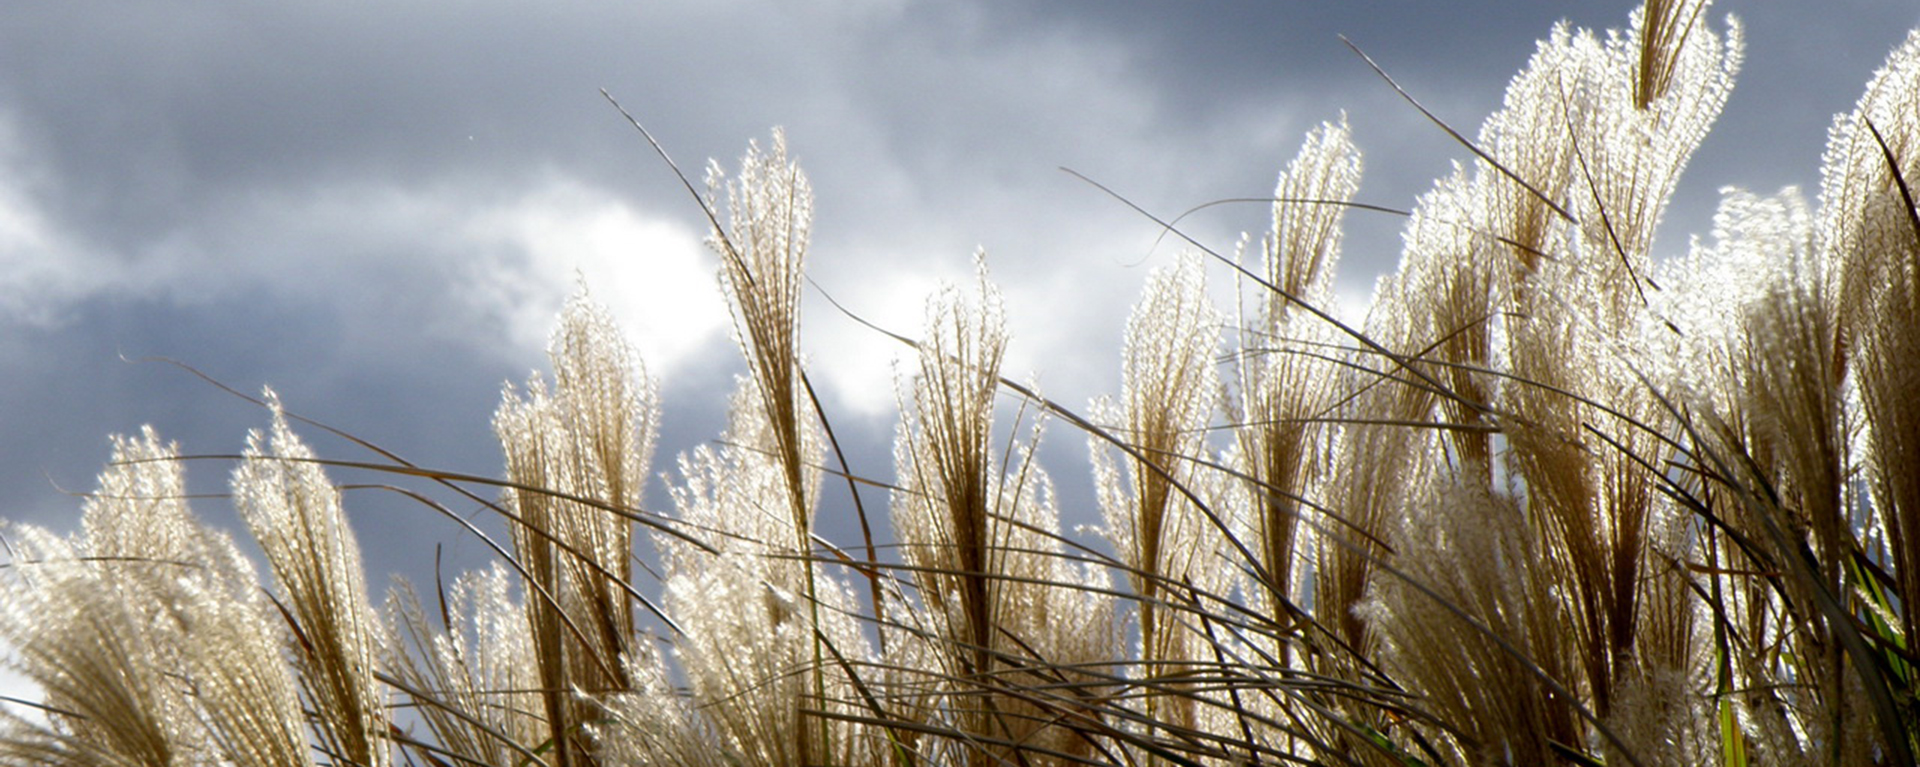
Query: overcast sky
x,y
377,208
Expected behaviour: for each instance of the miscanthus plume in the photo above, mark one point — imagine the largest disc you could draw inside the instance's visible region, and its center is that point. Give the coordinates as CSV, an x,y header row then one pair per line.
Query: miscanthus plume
x,y
1564,496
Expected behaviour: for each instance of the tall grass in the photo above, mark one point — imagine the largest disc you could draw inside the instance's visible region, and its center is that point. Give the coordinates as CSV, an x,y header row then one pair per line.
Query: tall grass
x,y
1555,501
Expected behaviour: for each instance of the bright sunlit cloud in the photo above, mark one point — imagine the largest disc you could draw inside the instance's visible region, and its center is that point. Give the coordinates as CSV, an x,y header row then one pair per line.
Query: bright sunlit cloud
x,y
654,274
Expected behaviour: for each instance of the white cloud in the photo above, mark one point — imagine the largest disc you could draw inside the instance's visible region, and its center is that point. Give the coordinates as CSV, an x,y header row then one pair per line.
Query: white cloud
x,y
655,275
855,363
41,267
487,268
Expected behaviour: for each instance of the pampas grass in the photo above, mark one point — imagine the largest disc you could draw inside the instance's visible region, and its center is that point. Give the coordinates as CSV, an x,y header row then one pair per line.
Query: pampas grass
x,y
1556,500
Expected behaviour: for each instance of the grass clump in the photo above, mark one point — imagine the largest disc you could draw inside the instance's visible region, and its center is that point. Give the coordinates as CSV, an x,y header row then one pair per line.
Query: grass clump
x,y
1554,502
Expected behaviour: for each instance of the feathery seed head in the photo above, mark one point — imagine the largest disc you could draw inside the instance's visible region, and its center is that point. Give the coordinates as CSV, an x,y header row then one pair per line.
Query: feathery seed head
x,y
295,515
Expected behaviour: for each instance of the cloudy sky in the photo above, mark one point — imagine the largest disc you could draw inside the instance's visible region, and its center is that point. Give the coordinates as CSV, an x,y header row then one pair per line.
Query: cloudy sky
x,y
377,208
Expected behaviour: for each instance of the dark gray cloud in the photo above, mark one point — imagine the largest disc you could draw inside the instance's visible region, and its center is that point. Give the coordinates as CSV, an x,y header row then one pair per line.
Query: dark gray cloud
x,y
377,208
